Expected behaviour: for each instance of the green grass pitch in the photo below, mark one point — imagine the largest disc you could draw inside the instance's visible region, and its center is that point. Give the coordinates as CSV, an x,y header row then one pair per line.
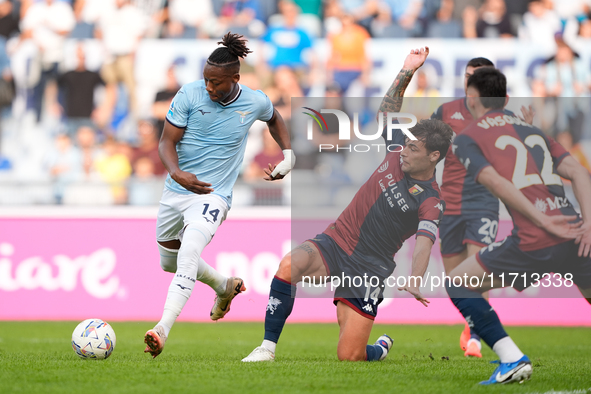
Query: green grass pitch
x,y
36,357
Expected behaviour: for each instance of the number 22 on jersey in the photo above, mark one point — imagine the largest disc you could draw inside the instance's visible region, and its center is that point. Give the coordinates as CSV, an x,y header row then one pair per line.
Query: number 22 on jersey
x,y
520,178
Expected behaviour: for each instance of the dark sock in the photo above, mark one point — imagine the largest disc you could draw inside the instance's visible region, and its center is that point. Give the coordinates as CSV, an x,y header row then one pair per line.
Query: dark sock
x,y
281,299
481,317
374,352
473,335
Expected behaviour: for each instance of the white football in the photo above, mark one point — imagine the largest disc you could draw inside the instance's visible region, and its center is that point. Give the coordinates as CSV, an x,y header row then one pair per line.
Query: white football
x,y
93,339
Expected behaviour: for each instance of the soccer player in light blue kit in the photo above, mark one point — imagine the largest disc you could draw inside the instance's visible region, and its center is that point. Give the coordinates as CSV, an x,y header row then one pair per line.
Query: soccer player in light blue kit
x,y
202,147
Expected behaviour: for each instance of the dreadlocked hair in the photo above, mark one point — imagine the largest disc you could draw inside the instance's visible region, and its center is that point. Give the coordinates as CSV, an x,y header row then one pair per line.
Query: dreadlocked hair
x,y
234,47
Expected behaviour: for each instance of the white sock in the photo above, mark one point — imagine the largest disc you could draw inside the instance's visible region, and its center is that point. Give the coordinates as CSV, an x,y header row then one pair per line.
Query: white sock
x,y
194,241
165,327
269,345
206,274
507,350
476,341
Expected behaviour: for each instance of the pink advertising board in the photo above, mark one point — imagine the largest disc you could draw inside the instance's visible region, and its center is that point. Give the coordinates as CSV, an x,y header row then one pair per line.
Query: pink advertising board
x,y
72,268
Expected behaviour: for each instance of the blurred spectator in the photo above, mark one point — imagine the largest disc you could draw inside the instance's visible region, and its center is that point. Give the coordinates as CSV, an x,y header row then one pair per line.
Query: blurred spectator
x,y
422,101
270,154
144,187
331,163
189,18
65,165
490,21
78,88
517,8
567,77
445,26
155,13
8,28
265,193
398,19
285,86
423,87
461,5
47,23
564,74
114,168
88,13
362,10
164,98
121,32
243,17
571,9
90,151
308,22
288,43
312,7
348,61
9,21
577,31
585,28
148,147
539,24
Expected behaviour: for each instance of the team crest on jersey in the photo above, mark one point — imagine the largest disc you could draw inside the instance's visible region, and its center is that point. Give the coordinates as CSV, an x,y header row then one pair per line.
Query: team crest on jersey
x,y
383,167
416,189
458,116
541,205
243,115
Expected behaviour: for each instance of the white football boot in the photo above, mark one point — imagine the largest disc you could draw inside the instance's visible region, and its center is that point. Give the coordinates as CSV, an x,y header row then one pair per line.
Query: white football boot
x,y
261,353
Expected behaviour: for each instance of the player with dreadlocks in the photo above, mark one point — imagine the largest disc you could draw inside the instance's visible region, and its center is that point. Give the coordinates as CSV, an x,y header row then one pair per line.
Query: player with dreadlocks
x,y
202,147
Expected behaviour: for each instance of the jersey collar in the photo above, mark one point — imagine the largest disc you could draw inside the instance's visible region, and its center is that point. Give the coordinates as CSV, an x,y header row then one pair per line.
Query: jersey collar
x,y
429,181
234,99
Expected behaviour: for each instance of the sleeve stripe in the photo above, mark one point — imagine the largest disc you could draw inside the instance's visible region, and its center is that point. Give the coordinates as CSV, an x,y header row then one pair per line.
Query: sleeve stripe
x,y
426,234
174,124
558,160
479,171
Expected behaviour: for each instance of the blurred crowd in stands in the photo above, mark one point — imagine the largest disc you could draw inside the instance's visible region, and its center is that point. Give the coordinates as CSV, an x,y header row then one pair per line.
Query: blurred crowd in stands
x,y
89,131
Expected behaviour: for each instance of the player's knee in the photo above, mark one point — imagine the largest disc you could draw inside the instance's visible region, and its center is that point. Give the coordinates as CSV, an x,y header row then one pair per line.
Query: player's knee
x,y
168,258
351,354
284,270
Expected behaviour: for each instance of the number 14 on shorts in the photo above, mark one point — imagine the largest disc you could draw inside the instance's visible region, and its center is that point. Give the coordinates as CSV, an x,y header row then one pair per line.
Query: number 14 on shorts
x,y
214,213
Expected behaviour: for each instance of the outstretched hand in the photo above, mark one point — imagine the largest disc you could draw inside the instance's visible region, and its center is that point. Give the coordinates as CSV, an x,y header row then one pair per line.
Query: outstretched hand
x,y
560,226
584,240
527,114
416,293
416,58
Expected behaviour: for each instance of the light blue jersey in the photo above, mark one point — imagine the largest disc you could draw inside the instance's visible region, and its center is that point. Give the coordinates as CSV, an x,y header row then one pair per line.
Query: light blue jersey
x,y
215,136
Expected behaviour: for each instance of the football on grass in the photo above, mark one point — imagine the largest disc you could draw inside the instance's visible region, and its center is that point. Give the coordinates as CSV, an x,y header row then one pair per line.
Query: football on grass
x,y
93,339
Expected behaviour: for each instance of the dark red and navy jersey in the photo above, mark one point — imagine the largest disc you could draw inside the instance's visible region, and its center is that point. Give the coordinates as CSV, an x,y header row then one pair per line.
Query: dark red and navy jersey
x,y
388,209
524,155
460,191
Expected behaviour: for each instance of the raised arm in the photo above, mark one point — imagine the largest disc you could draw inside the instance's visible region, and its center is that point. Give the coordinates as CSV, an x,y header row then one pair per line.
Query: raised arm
x,y
392,101
171,135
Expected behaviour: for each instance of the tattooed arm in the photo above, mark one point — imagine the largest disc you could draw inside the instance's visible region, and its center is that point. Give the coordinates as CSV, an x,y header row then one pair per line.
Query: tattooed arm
x,y
392,101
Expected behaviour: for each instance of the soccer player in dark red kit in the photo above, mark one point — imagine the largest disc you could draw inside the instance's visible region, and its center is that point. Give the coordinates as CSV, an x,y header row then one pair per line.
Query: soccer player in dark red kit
x,y
522,167
400,199
471,217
